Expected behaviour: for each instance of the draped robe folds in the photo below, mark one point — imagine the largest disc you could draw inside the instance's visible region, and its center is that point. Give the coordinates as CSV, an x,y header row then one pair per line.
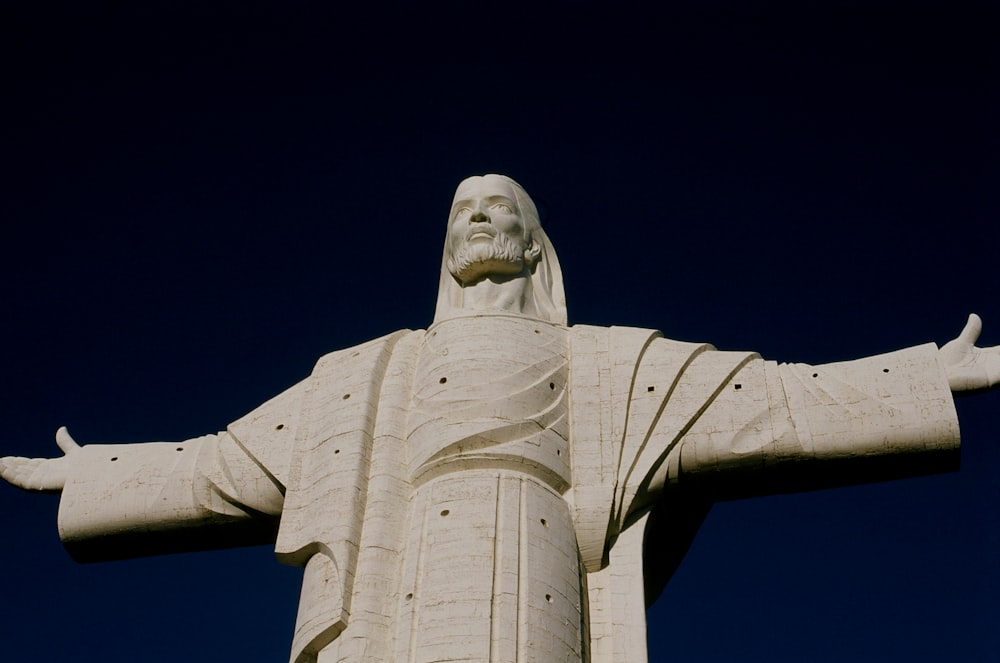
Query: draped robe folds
x,y
600,443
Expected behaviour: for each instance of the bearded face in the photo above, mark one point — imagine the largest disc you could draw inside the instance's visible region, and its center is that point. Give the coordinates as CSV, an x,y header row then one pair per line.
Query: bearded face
x,y
482,257
486,234
496,255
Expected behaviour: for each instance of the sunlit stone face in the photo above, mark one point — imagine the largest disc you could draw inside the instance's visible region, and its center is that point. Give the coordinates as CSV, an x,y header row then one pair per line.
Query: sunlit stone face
x,y
486,234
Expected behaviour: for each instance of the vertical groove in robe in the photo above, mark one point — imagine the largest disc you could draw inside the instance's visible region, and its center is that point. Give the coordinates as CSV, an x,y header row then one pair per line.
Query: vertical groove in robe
x,y
522,565
415,603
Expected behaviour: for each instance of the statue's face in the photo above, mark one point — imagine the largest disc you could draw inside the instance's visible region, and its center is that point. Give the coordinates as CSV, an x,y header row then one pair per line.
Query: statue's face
x,y
485,231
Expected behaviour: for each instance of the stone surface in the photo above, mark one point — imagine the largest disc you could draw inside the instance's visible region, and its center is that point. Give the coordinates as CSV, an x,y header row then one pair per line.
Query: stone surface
x,y
490,489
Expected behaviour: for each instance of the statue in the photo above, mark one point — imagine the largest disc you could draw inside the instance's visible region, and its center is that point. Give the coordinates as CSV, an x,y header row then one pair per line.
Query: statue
x,y
501,486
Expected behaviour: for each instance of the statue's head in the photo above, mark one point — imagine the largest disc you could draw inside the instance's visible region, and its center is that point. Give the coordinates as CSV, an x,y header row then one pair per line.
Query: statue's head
x,y
494,234
488,235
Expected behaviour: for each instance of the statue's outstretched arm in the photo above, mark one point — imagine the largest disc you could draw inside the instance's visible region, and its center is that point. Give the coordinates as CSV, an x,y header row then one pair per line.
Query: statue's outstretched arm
x,y
41,474
131,500
128,500
970,368
790,427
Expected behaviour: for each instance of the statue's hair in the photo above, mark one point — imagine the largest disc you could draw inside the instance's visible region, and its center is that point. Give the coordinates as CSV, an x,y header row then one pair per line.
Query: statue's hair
x,y
544,271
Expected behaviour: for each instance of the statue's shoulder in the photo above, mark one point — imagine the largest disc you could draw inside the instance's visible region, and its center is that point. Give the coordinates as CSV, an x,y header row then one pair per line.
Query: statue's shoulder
x,y
269,431
354,353
629,337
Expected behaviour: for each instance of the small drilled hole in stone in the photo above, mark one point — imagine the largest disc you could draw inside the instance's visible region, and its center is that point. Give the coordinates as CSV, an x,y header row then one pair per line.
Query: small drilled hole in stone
x,y
336,451
445,512
544,522
409,597
650,388
559,452
114,458
279,426
548,597
346,396
552,385
537,332
815,375
737,386
885,370
443,380
179,449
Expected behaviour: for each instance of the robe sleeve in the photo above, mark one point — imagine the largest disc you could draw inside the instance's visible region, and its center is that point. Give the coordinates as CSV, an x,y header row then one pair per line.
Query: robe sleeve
x,y
780,428
216,491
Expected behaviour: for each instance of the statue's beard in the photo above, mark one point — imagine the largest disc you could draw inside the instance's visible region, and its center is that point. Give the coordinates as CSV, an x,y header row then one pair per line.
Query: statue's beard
x,y
472,262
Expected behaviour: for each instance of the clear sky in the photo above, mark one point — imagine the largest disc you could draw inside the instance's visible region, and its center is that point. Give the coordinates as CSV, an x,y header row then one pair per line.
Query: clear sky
x,y
199,202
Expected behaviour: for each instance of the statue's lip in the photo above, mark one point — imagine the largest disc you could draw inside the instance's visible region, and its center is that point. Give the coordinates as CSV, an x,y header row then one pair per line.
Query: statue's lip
x,y
480,233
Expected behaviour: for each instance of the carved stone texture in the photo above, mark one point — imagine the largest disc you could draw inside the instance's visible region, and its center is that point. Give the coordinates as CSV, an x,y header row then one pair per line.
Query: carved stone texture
x,y
491,489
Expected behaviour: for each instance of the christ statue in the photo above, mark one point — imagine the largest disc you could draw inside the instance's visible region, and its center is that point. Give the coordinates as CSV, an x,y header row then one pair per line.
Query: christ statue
x,y
503,487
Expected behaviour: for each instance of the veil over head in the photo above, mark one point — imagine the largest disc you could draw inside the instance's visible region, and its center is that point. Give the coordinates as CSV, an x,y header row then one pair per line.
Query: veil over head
x,y
546,275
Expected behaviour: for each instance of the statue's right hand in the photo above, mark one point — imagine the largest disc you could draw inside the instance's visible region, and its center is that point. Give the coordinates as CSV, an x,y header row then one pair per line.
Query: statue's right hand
x,y
44,474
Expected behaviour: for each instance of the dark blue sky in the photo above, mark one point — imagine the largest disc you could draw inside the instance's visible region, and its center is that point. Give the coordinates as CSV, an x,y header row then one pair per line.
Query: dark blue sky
x,y
199,202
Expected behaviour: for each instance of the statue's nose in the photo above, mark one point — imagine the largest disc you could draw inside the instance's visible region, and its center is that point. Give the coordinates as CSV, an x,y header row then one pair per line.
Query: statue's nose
x,y
479,217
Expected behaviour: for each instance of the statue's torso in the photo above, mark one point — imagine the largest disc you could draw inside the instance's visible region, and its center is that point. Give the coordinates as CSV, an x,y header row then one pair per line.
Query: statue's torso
x,y
490,392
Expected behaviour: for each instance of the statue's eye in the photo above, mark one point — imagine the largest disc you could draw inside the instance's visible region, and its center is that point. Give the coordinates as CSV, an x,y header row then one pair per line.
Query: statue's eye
x,y
502,207
462,211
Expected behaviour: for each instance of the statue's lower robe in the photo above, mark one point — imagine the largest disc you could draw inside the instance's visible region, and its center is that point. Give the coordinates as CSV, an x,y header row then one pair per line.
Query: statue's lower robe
x,y
480,491
509,538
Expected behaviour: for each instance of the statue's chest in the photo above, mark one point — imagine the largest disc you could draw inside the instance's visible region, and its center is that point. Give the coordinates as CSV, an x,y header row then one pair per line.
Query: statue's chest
x,y
491,387
470,359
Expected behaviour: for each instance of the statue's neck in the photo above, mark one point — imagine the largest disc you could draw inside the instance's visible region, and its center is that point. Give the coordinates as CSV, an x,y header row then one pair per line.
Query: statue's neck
x,y
511,295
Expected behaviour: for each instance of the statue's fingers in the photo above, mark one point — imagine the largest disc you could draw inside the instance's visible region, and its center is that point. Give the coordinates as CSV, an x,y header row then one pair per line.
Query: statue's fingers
x,y
970,334
43,474
17,471
12,469
65,441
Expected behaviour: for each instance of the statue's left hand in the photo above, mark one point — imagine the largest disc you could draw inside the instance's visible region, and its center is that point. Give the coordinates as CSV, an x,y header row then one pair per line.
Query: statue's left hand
x,y
970,368
42,474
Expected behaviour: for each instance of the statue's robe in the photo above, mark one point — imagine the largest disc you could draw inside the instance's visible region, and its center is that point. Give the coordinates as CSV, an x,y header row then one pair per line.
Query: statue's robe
x,y
541,468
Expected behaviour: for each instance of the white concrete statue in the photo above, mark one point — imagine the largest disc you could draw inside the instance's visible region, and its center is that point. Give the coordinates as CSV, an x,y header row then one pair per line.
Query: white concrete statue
x,y
502,487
